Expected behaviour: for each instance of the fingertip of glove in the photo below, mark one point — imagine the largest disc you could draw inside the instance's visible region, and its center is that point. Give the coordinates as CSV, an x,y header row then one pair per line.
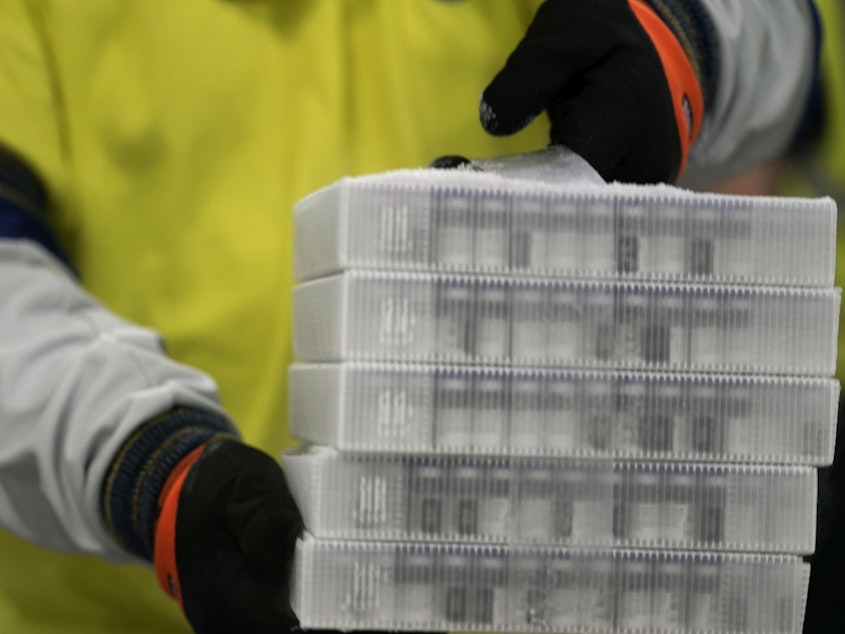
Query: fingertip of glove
x,y
452,161
487,116
497,121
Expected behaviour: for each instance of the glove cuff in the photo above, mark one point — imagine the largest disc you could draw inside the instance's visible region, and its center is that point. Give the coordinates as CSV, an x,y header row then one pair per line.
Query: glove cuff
x,y
692,26
165,530
684,85
23,206
137,476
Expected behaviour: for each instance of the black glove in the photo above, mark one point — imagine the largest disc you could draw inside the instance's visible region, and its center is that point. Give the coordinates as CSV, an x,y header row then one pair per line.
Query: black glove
x,y
215,516
225,540
621,89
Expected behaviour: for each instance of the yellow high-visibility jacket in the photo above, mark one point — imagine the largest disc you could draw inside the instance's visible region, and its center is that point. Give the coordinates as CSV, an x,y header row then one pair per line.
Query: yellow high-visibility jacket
x,y
173,137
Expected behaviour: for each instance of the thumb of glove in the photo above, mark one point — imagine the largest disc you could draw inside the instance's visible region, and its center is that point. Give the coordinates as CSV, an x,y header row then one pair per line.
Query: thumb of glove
x,y
225,540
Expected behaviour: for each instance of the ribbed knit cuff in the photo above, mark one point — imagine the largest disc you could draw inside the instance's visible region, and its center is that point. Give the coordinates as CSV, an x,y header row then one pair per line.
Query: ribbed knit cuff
x,y
14,174
691,24
23,204
132,485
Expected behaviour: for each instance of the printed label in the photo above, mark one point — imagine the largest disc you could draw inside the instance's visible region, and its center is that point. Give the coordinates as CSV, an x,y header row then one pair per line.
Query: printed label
x,y
397,322
394,413
372,502
365,594
394,235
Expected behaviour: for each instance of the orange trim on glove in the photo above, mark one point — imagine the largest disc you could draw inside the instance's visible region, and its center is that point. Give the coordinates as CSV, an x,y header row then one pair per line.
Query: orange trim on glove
x,y
164,554
687,96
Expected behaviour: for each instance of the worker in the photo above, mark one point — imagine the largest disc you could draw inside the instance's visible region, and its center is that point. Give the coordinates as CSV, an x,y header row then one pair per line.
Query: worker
x,y
152,152
815,166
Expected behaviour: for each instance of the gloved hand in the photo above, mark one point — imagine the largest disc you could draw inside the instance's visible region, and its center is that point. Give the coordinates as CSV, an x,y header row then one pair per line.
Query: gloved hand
x,y
619,87
225,538
214,515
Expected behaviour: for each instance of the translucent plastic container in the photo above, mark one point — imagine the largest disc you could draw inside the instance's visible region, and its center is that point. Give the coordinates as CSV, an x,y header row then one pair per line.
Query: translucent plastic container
x,y
565,502
466,221
385,316
426,587
442,409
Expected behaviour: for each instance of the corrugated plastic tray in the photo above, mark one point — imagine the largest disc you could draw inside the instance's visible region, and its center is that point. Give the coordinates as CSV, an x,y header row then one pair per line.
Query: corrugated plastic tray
x,y
485,319
443,409
425,587
567,502
469,221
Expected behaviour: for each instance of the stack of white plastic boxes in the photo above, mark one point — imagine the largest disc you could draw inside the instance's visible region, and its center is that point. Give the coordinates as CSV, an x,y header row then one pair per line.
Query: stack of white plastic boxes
x,y
569,408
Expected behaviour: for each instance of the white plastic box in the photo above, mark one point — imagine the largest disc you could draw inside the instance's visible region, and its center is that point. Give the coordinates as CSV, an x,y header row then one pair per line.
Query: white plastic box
x,y
385,316
425,587
463,221
441,409
564,502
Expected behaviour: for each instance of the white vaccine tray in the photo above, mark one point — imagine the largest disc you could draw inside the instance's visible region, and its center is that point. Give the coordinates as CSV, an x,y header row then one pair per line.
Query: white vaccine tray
x,y
369,315
464,221
481,410
349,585
566,502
